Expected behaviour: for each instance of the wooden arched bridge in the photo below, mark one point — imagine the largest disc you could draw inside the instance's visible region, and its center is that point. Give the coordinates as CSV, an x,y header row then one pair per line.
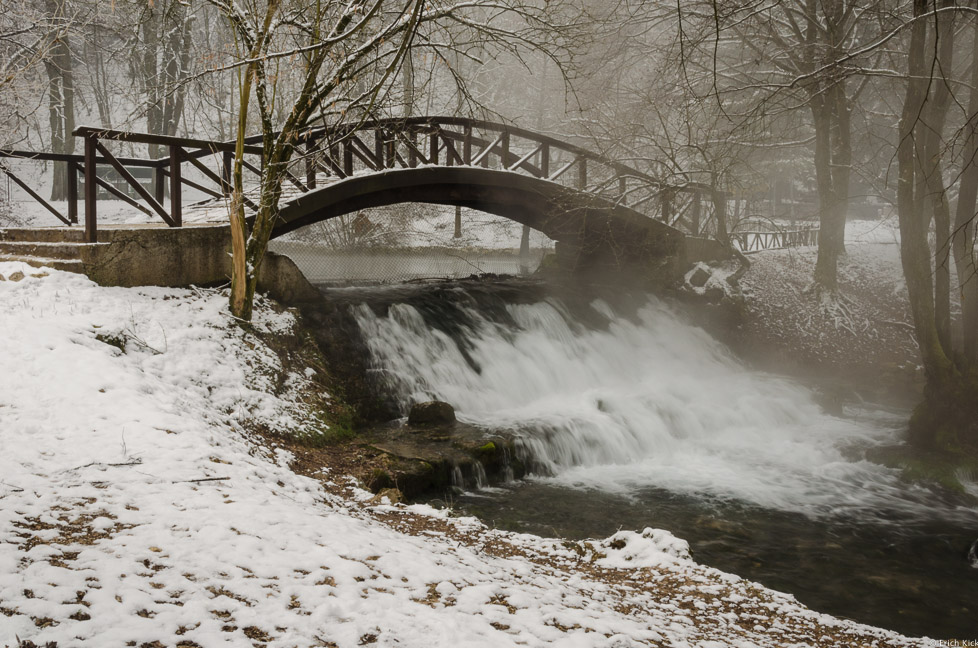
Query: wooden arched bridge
x,y
600,211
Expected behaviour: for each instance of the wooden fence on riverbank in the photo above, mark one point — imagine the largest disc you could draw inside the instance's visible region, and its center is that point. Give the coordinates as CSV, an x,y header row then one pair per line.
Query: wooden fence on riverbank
x,y
749,242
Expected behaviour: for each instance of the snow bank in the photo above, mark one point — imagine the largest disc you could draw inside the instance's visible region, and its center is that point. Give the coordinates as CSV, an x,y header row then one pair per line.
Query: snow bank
x,y
135,509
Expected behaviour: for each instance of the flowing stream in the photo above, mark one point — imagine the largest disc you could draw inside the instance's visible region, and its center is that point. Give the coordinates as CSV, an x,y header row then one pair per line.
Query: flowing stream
x,y
630,416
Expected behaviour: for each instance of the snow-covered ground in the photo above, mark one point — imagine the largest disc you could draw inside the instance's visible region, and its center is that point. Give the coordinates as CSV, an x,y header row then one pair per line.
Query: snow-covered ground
x,y
135,509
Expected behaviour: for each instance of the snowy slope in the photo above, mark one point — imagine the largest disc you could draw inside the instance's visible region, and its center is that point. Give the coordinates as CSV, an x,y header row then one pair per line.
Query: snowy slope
x,y
135,510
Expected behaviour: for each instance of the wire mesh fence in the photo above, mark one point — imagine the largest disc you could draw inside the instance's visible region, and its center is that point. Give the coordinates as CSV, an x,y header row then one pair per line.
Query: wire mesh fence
x,y
411,242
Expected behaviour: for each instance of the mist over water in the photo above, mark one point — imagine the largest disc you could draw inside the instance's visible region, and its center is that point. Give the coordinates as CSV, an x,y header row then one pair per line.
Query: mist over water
x,y
627,399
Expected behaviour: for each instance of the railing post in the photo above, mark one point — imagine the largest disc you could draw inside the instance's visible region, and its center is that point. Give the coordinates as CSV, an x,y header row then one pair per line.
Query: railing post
x,y
348,157
379,148
310,163
622,190
91,227
467,145
226,171
391,147
666,198
73,193
159,183
334,154
433,147
504,154
176,198
582,173
545,161
697,210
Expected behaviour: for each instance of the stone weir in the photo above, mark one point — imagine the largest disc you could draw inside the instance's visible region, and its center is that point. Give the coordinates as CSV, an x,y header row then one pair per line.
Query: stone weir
x,y
148,255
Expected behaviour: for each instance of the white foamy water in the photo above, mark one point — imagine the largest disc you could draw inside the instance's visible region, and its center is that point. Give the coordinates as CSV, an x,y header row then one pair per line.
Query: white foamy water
x,y
649,402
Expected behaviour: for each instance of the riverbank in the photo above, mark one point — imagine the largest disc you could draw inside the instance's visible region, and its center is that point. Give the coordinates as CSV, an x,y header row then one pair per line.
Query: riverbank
x,y
862,342
141,507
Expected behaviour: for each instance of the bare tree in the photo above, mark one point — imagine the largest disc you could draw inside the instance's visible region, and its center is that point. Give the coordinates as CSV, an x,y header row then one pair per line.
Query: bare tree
x,y
346,59
948,416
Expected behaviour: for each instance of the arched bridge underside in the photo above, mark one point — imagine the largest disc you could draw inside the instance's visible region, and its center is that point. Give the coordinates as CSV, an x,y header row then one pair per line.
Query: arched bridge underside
x,y
601,212
592,232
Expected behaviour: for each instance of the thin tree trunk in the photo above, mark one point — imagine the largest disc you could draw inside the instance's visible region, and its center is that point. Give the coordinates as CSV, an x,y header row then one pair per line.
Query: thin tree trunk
x,y
963,237
407,79
151,78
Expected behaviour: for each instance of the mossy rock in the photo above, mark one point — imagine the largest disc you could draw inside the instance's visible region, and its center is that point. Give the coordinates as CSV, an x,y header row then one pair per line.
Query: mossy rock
x,y
926,466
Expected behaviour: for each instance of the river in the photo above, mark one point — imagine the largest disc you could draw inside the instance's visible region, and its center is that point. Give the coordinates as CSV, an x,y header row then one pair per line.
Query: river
x,y
632,416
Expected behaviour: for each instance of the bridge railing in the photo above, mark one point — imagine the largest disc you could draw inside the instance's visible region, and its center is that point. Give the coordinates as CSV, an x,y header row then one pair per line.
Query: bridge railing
x,y
376,145
326,155
756,241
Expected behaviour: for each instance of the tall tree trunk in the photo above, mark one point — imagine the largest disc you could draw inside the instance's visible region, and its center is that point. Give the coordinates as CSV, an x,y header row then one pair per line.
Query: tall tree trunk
x,y
61,98
930,156
948,416
830,244
831,115
178,22
963,237
151,78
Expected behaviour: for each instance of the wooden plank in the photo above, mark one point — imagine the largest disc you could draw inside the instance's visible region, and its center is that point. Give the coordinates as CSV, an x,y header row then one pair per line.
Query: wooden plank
x,y
33,194
414,154
451,153
199,187
121,195
162,140
209,174
145,195
524,159
482,156
364,154
71,157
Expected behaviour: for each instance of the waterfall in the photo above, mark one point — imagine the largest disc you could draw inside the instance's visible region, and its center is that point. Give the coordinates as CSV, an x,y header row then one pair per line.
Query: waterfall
x,y
625,398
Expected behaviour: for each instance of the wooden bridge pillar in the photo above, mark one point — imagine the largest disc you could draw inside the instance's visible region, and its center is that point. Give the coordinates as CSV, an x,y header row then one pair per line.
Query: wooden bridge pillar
x,y
176,195
91,217
73,193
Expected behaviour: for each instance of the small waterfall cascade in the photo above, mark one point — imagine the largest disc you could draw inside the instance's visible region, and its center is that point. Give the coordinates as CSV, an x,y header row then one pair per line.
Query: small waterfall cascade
x,y
619,398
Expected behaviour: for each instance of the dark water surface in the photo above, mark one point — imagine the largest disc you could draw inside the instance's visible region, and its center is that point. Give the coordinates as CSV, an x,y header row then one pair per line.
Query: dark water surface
x,y
912,577
634,417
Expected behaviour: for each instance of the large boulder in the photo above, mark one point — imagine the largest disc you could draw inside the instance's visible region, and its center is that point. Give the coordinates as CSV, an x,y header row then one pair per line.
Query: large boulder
x,y
431,413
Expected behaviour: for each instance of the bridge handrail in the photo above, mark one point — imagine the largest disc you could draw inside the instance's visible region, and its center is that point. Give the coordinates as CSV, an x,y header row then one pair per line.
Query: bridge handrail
x,y
454,120
479,140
